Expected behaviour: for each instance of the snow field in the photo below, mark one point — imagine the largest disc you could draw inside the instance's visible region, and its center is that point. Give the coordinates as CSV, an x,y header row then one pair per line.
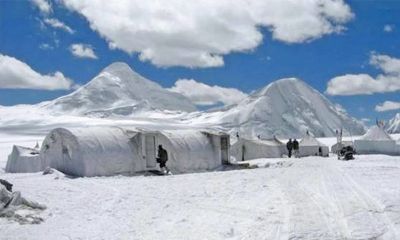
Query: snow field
x,y
309,198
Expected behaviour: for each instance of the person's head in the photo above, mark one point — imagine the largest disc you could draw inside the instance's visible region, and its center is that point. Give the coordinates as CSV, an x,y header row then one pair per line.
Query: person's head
x,y
290,139
160,146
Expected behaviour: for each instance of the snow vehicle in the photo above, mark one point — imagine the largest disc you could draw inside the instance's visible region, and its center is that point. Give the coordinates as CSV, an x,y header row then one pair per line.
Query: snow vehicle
x,y
346,153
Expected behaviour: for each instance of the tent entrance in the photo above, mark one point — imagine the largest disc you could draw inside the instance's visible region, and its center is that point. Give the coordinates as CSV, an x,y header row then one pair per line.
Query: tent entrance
x,y
150,151
225,149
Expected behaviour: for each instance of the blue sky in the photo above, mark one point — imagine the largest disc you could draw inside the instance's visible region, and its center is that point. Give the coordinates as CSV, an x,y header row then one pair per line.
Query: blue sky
x,y
25,36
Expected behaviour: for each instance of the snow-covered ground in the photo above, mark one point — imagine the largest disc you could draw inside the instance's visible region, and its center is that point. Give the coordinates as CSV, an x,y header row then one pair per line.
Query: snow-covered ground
x,y
309,198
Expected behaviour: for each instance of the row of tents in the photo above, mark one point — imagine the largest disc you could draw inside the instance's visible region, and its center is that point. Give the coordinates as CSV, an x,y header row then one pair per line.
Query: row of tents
x,y
104,151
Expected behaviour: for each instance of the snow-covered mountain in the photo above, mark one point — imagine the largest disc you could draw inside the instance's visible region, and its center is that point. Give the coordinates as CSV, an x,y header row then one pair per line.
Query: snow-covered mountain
x,y
393,125
286,108
119,90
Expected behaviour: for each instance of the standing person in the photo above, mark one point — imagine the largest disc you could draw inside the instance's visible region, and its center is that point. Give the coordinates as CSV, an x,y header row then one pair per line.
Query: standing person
x,y
289,146
162,159
296,148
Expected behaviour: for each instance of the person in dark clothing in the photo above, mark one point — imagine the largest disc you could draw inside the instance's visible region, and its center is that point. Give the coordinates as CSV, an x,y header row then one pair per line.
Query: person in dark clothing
x,y
162,158
289,146
296,148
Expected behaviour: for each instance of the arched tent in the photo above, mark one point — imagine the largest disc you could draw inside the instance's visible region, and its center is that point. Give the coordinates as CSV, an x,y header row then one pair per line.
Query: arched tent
x,y
107,151
192,150
377,141
246,149
23,160
93,151
310,146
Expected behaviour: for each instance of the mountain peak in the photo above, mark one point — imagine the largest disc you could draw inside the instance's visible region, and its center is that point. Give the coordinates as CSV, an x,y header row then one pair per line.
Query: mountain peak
x,y
118,67
393,125
288,107
118,89
283,85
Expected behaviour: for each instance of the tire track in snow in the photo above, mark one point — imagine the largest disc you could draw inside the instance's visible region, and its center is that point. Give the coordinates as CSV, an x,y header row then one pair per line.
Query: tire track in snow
x,y
374,211
311,218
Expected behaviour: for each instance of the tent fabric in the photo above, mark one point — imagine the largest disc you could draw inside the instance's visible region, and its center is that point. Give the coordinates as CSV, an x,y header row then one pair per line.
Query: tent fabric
x,y
94,151
245,149
376,133
310,146
191,150
23,160
377,141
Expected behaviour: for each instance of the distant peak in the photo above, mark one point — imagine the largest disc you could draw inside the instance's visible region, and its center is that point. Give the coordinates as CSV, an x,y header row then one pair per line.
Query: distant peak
x,y
284,83
117,67
291,80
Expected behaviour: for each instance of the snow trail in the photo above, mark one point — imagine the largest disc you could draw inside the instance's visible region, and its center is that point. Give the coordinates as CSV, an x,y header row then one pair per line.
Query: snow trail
x,y
308,198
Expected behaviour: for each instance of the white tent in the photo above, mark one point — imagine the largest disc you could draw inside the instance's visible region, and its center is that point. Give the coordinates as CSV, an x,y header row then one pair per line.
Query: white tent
x,y
103,151
23,159
310,146
377,141
245,149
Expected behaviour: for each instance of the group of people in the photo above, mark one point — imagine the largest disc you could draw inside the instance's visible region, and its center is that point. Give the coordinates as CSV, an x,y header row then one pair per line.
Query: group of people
x,y
293,148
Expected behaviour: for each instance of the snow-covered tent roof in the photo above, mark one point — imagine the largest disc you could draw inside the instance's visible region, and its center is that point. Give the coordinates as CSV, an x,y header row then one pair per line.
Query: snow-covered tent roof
x,y
23,159
89,151
310,146
193,150
377,141
376,133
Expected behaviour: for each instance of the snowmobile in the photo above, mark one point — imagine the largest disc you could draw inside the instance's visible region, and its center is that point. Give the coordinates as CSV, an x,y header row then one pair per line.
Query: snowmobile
x,y
346,153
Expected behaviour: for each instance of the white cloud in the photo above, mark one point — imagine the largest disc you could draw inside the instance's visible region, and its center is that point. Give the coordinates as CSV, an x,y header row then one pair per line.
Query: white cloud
x,y
82,51
55,23
200,33
388,28
17,74
358,84
205,95
43,5
387,106
387,64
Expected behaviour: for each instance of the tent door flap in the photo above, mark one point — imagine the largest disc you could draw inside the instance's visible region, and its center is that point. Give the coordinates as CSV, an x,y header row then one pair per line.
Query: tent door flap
x,y
225,150
150,146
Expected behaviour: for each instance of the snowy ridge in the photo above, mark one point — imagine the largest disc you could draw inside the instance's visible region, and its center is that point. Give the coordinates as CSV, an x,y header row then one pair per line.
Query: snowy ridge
x,y
286,108
393,125
119,90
